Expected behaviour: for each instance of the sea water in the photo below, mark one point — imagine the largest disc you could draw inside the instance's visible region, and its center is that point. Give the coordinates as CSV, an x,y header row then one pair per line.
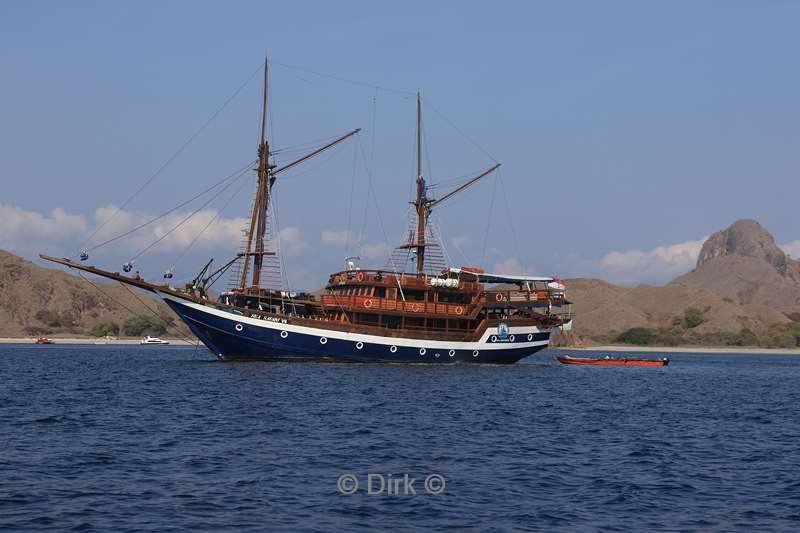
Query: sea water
x,y
130,438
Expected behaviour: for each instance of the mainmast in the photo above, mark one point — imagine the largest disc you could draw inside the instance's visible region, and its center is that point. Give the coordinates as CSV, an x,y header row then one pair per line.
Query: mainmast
x,y
258,220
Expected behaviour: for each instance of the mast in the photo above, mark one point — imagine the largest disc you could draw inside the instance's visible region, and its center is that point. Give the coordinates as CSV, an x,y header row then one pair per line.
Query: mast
x,y
258,226
258,219
420,202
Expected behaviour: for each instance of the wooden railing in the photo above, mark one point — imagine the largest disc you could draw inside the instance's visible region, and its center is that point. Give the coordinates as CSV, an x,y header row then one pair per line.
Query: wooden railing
x,y
385,304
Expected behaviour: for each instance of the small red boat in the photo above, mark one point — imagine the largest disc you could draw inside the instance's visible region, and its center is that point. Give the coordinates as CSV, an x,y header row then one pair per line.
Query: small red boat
x,y
611,361
44,340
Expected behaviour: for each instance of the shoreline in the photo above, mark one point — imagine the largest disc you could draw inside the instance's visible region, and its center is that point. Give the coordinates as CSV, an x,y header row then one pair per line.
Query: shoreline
x,y
751,350
600,348
92,341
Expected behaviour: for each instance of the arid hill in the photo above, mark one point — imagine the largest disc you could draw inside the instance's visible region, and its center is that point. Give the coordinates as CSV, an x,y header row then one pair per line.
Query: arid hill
x,y
742,281
43,301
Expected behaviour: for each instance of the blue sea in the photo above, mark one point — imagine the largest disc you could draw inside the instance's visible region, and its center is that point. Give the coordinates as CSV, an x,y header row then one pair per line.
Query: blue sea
x,y
130,438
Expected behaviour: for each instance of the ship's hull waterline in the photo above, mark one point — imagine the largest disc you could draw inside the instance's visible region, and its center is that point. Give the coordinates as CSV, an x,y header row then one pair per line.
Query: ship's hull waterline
x,y
234,337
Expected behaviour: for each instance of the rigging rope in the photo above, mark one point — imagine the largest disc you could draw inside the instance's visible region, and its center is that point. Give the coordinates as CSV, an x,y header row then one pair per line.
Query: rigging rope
x,y
165,213
128,309
159,317
452,125
174,155
345,80
510,220
193,213
210,222
488,222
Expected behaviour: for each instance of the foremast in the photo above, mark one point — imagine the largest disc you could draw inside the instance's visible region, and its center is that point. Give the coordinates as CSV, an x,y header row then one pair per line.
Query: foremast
x,y
255,246
256,235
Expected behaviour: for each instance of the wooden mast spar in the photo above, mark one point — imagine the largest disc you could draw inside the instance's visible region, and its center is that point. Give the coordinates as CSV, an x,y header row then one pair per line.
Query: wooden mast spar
x,y
423,204
266,172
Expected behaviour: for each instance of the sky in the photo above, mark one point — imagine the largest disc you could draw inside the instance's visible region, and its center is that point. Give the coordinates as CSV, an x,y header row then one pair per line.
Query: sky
x,y
627,131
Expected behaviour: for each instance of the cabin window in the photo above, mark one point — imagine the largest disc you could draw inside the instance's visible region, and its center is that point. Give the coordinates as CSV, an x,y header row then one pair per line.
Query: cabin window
x,y
391,322
414,322
363,318
380,292
438,323
417,296
391,293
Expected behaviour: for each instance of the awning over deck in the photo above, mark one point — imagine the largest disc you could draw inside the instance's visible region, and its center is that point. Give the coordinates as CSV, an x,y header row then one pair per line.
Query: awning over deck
x,y
499,278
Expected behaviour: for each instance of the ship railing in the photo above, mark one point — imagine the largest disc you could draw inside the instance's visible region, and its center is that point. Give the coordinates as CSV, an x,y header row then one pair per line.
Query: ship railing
x,y
371,303
538,296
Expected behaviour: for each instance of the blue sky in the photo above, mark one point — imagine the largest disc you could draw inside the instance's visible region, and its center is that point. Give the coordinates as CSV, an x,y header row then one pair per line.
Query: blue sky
x,y
622,127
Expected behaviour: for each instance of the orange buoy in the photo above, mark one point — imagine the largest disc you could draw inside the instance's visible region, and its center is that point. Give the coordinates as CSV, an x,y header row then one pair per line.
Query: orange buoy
x,y
368,303
459,310
360,276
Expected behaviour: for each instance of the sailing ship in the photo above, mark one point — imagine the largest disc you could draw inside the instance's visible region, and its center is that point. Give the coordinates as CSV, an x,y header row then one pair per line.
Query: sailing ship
x,y
434,313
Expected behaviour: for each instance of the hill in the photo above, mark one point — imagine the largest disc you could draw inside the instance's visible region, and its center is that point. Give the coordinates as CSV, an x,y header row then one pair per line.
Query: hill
x,y
43,301
745,289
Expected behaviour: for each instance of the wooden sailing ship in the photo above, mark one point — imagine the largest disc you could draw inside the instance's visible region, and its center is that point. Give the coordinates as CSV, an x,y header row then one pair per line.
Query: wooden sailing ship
x,y
434,314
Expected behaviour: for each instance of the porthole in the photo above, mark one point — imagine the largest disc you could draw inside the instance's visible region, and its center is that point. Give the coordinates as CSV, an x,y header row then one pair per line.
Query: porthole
x,y
451,353
393,349
530,337
238,327
475,353
323,340
359,345
284,334
511,338
494,338
422,351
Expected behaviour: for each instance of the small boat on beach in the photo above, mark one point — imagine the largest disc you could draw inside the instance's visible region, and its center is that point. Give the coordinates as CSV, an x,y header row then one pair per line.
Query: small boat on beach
x,y
611,361
153,340
44,340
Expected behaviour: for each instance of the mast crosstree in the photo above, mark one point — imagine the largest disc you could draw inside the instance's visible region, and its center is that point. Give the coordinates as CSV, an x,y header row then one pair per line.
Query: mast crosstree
x,y
258,232
424,205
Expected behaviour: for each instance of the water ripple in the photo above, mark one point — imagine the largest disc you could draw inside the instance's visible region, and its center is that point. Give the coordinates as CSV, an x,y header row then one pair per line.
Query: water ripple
x,y
128,439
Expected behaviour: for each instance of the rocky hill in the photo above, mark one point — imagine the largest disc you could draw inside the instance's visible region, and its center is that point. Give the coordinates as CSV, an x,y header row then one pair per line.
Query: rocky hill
x,y
742,283
42,301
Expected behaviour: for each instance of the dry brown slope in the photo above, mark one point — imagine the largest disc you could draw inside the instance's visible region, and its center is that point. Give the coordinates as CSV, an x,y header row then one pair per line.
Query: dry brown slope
x,y
27,289
742,280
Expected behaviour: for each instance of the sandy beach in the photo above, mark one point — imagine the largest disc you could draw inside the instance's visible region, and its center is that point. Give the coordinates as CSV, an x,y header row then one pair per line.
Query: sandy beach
x,y
91,340
685,349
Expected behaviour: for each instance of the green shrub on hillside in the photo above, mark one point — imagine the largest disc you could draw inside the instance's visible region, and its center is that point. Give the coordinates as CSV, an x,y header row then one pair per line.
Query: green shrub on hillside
x,y
779,340
744,337
693,317
140,325
105,329
635,336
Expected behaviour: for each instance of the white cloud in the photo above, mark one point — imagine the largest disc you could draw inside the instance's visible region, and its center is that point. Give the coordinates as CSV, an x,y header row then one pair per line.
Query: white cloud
x,y
460,241
511,266
658,265
792,248
337,238
292,243
21,228
27,232
375,251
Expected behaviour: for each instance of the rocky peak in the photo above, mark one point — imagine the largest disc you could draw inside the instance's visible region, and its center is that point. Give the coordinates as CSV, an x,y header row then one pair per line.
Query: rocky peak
x,y
745,238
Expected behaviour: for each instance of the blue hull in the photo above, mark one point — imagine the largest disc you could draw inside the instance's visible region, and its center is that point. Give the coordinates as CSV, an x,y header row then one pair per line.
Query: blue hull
x,y
232,337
